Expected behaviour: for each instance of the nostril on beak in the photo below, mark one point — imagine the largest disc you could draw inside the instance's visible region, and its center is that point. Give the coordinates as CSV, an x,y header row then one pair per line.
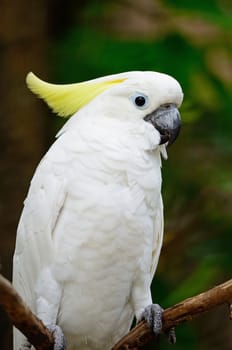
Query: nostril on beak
x,y
167,106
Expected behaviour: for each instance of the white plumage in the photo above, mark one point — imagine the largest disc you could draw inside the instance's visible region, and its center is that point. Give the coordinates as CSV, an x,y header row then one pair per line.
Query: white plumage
x,y
90,233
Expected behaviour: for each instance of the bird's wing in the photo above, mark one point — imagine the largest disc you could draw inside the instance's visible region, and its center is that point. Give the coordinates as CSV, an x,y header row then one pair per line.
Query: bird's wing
x,y
157,238
34,248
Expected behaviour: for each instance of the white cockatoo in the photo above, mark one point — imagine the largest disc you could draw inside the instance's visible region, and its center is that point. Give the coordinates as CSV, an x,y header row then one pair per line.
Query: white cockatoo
x,y
90,234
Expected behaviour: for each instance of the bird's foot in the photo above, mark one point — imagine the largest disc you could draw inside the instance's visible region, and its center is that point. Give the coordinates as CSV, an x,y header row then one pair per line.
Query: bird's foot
x,y
152,314
58,335
25,346
171,335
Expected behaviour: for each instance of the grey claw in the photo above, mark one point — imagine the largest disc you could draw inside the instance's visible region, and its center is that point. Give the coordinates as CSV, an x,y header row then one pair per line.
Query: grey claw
x,y
59,338
152,314
25,346
171,335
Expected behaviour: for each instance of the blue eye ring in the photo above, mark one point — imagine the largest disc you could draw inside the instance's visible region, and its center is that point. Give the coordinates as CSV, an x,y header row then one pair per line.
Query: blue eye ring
x,y
140,100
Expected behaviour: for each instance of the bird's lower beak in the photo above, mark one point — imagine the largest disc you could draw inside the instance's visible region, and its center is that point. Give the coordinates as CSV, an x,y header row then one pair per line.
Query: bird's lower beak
x,y
166,119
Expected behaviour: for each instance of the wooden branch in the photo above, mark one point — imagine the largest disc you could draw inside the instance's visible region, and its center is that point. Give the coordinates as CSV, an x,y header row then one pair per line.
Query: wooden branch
x,y
181,312
38,335
22,317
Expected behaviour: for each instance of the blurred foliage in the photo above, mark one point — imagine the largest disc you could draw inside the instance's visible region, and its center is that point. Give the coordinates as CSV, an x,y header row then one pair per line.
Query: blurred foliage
x,y
192,41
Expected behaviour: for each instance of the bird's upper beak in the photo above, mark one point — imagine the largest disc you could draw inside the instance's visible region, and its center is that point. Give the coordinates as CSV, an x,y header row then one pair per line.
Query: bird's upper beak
x,y
166,119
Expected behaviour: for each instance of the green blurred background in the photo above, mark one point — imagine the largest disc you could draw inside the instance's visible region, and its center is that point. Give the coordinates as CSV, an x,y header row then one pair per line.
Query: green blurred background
x,y
70,41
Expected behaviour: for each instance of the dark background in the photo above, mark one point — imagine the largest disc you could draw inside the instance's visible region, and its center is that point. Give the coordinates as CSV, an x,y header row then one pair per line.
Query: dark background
x,y
71,41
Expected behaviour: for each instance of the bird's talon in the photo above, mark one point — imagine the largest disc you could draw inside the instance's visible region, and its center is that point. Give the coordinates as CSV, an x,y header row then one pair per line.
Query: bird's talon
x,y
152,314
25,346
171,335
58,335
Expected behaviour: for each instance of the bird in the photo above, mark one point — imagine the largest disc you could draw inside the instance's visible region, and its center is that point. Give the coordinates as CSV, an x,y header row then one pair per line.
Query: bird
x,y
91,230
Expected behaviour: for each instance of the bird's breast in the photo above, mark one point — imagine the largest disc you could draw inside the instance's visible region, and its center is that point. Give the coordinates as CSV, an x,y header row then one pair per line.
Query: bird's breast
x,y
102,237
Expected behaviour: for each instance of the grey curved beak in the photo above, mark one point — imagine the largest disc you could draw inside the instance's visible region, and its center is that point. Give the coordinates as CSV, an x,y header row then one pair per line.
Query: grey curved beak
x,y
166,119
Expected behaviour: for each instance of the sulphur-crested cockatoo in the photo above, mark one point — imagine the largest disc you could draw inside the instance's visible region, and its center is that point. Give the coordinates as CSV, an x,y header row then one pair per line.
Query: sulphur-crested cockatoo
x,y
91,230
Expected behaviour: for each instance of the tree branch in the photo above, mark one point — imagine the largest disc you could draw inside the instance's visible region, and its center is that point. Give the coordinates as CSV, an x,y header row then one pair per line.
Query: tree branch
x,y
22,317
181,312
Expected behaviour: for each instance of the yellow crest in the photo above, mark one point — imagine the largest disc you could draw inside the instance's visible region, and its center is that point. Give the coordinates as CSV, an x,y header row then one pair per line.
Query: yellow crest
x,y
67,99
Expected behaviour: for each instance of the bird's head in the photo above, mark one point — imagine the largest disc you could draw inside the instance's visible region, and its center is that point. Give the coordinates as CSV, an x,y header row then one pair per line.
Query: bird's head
x,y
146,96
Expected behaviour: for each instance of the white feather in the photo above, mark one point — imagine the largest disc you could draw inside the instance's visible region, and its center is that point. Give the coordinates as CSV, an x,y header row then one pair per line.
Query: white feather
x,y
91,230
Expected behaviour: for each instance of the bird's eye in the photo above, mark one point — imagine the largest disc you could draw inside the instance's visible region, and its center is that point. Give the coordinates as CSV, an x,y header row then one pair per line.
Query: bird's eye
x,y
140,100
